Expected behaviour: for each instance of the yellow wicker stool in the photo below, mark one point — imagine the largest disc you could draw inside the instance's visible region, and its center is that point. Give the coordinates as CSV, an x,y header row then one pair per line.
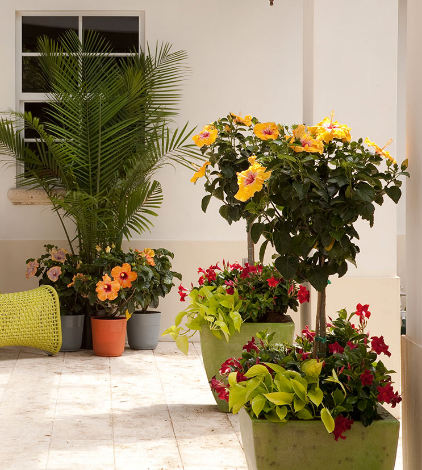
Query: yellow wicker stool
x,y
31,318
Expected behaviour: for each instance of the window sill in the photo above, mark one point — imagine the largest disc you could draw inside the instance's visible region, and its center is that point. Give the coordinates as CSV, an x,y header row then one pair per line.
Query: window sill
x,y
28,197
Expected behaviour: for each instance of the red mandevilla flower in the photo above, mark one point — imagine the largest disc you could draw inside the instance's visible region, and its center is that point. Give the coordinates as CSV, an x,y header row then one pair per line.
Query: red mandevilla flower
x,y
379,346
251,345
308,334
342,424
335,348
182,292
362,312
229,365
366,378
303,294
387,395
351,345
236,266
219,388
273,282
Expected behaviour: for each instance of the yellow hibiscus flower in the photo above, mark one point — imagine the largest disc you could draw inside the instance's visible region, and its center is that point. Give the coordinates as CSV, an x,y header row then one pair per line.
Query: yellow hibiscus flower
x,y
308,144
266,130
247,120
200,173
251,180
381,151
327,130
206,137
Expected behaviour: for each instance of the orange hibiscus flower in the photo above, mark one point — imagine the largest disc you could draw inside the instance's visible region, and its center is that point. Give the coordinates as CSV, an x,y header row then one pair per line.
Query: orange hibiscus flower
x,y
200,173
380,150
266,130
307,143
124,275
247,120
107,289
206,137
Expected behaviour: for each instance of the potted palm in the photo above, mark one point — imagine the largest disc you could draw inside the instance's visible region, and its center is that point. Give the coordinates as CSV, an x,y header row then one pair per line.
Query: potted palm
x,y
106,133
230,305
58,268
284,395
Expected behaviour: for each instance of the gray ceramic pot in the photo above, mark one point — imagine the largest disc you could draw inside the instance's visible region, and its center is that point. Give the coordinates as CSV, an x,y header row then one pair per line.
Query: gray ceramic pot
x,y
72,329
143,330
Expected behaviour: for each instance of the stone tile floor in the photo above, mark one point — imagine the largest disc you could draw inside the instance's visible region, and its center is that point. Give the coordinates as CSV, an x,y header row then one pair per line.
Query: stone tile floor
x,y
144,410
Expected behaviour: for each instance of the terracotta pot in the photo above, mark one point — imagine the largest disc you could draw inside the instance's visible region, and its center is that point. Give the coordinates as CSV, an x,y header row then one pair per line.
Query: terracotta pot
x,y
108,336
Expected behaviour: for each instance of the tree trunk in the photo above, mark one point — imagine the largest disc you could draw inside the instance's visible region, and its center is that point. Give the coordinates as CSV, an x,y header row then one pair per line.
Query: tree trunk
x,y
251,248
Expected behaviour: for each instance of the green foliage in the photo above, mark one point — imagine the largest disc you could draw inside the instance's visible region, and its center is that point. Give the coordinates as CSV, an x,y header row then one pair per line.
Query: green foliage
x,y
307,209
106,135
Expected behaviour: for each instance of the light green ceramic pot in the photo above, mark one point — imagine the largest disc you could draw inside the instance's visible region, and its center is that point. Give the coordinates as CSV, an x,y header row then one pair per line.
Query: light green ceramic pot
x,y
216,351
306,445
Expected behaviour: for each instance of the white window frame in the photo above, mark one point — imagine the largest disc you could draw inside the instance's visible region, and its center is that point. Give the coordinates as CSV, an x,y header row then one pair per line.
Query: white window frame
x,y
20,96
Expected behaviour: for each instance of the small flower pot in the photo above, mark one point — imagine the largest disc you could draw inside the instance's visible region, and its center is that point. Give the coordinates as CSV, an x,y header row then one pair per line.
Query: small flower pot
x,y
306,445
108,336
216,351
143,330
72,329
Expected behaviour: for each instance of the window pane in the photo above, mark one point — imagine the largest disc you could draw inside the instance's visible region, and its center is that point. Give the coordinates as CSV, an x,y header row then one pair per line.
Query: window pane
x,y
121,31
51,26
39,110
33,80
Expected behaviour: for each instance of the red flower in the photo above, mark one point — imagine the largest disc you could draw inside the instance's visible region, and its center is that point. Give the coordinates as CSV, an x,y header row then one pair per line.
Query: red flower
x,y
201,280
273,282
386,394
251,345
241,377
182,293
366,378
219,388
308,334
352,345
291,289
335,348
379,346
210,275
259,268
251,268
304,355
342,424
226,367
303,294
215,267
236,266
362,312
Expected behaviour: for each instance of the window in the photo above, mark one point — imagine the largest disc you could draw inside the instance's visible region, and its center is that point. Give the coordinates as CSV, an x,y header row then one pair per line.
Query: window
x,y
125,32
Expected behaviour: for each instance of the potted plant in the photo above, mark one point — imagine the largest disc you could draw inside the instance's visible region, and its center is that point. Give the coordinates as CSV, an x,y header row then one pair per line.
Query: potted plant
x,y
115,284
301,189
285,397
58,268
230,305
143,326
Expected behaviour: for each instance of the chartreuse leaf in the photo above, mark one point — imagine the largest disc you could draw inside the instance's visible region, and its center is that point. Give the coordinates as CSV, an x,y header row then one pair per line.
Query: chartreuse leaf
x,y
237,398
237,320
299,390
279,398
299,404
257,369
328,420
258,404
251,386
316,396
283,384
304,414
182,343
272,416
276,368
312,367
232,378
216,333
179,318
281,412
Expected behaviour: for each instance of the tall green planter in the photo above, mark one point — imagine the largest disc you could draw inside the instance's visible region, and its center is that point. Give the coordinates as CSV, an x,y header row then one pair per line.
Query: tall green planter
x,y
306,445
215,351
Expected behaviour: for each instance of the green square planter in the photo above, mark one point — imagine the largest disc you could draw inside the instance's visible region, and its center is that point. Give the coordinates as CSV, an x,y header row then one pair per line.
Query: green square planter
x,y
216,351
306,445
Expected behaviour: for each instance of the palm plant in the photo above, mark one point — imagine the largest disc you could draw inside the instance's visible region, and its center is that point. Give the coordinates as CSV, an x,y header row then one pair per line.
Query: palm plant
x,y
107,134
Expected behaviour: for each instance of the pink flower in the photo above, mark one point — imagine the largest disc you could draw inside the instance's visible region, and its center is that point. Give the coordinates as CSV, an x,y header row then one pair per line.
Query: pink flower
x,y
335,348
379,346
59,255
363,312
273,282
366,378
31,269
342,424
303,294
54,273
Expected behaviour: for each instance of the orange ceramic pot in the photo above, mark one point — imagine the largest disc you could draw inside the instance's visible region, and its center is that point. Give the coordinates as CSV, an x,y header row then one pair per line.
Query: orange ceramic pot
x,y
108,336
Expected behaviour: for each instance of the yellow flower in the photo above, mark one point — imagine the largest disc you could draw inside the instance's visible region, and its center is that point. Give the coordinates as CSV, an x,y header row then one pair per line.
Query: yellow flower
x,y
247,120
251,180
266,130
206,137
379,150
327,130
98,248
200,173
308,144
108,249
